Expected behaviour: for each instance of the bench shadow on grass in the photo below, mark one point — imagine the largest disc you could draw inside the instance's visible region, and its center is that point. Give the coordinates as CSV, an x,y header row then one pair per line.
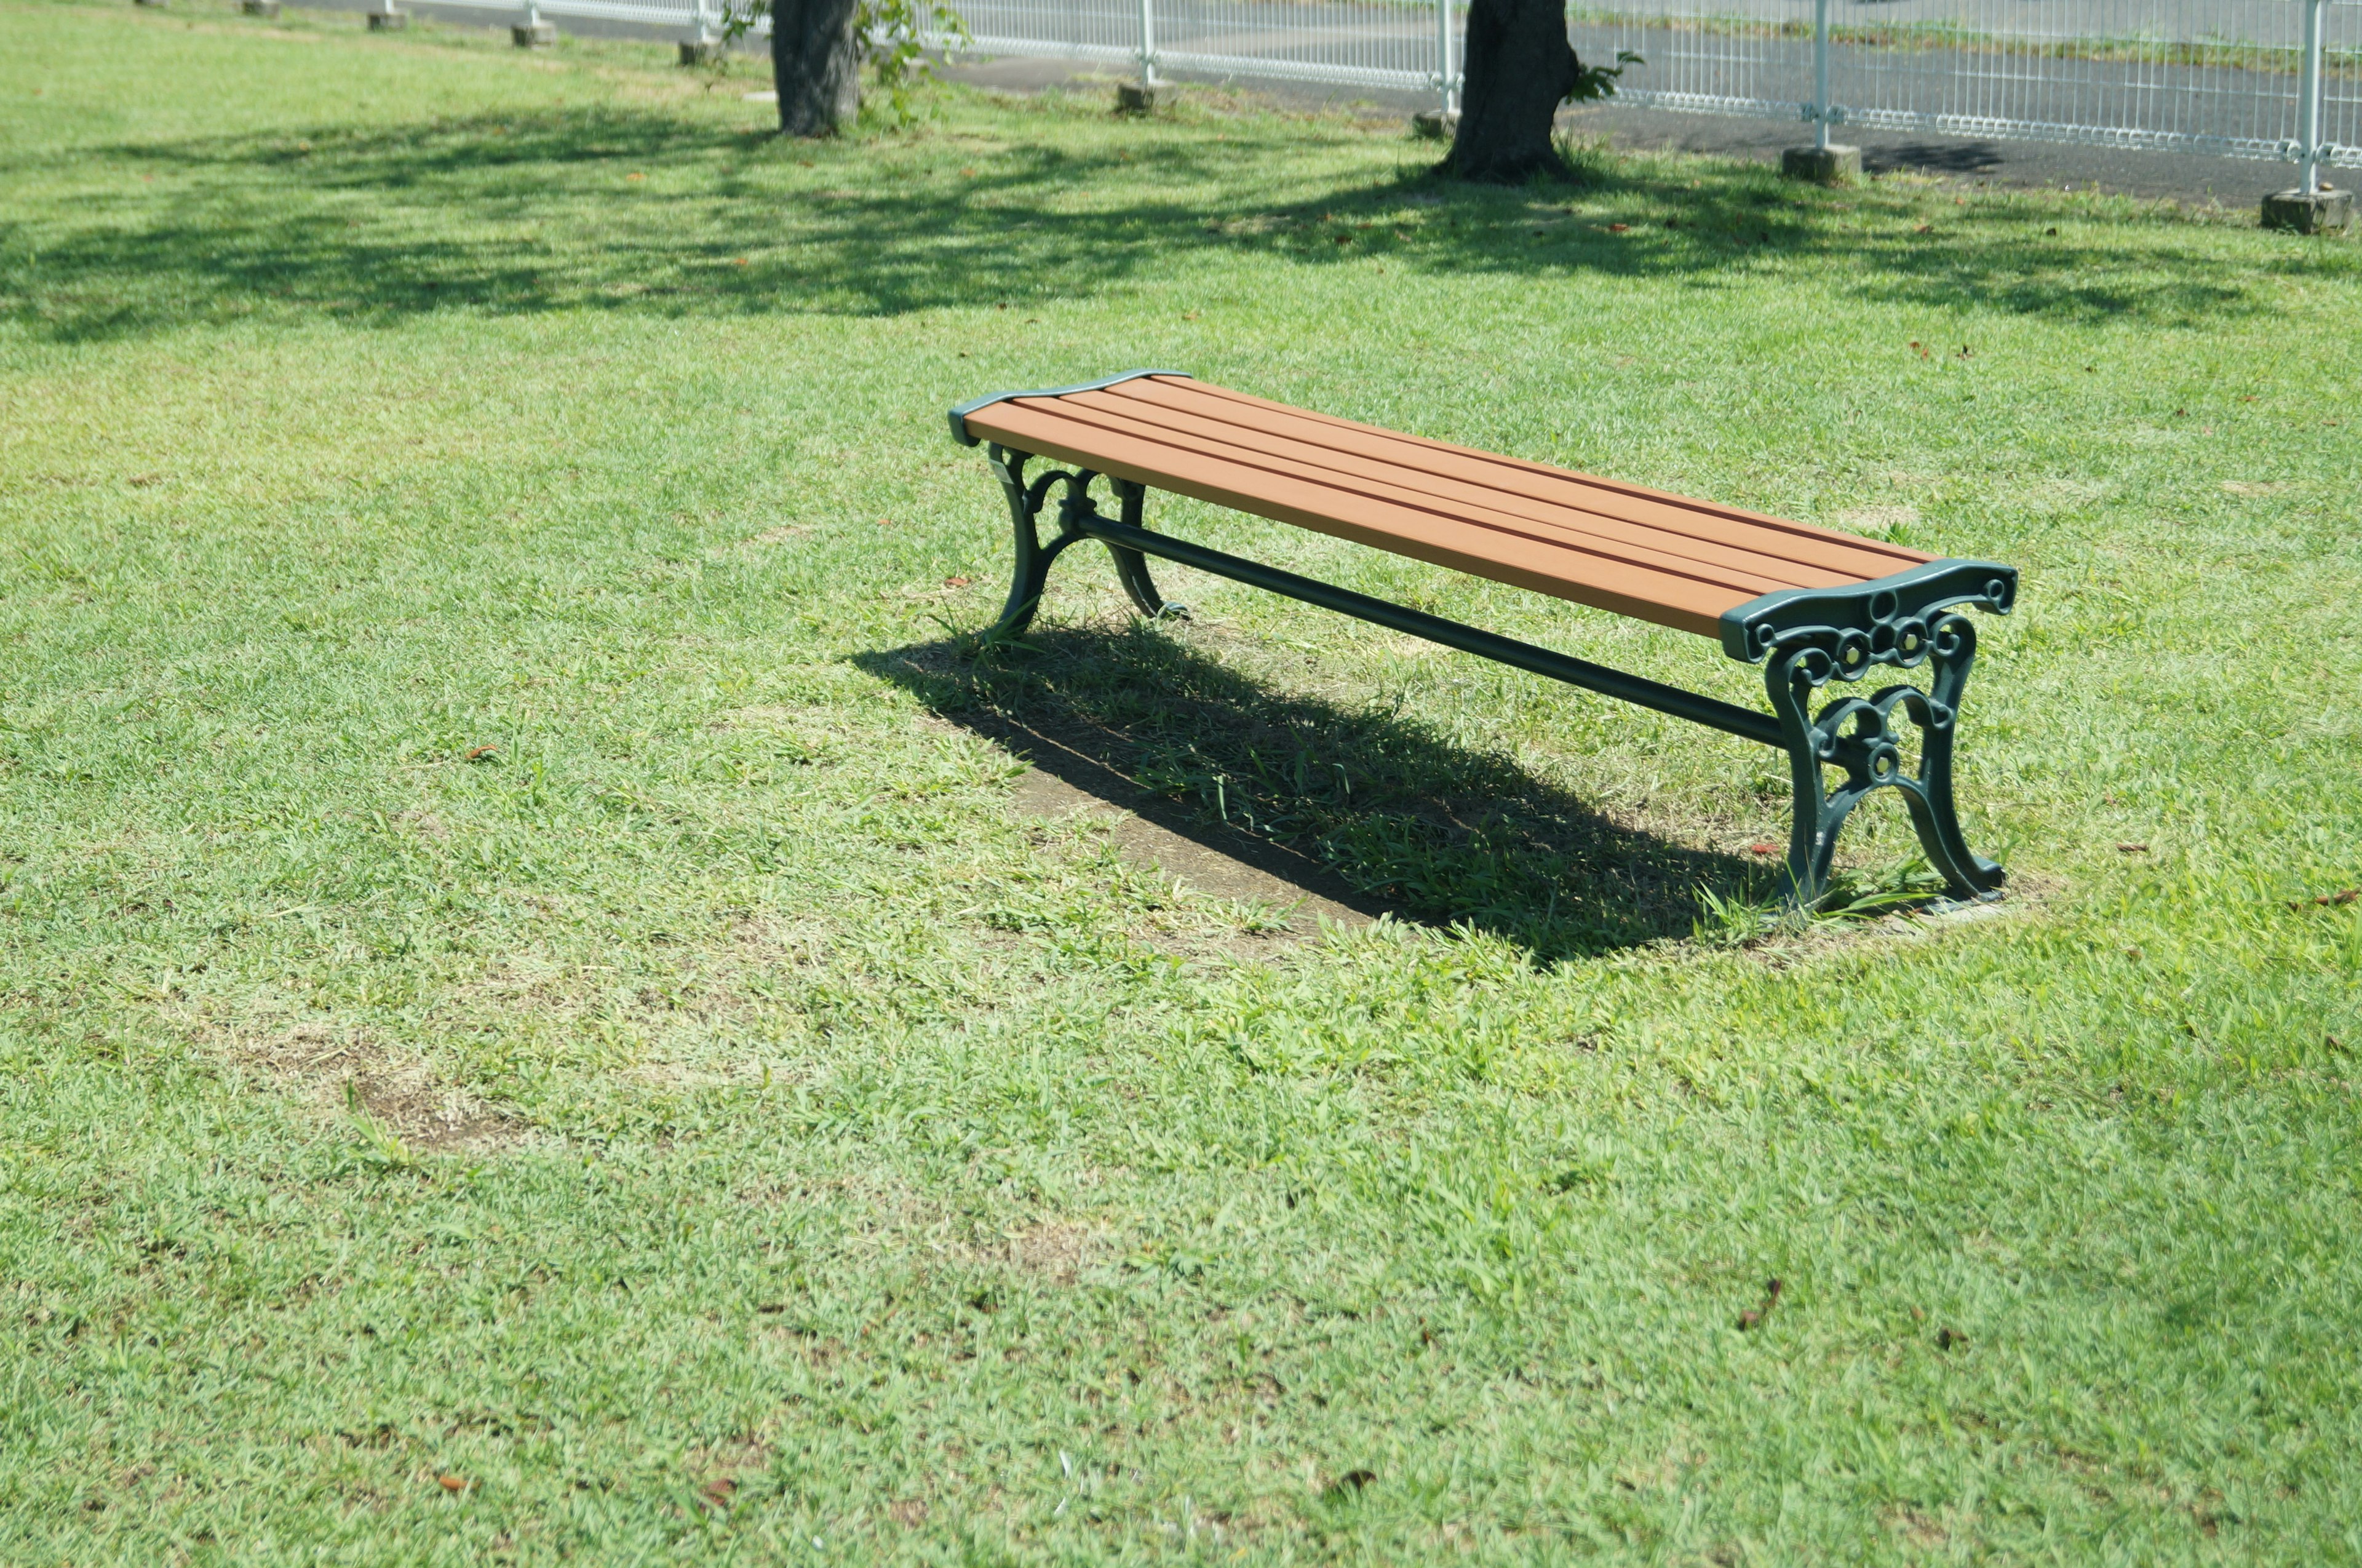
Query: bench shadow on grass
x,y
530,212
1362,803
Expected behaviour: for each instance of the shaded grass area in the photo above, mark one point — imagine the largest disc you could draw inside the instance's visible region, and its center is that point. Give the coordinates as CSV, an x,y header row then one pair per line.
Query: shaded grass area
x,y
1441,833
530,1027
640,201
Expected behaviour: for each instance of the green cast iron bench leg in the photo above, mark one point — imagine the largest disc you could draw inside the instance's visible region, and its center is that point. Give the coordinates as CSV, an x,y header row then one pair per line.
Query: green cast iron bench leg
x,y
1810,638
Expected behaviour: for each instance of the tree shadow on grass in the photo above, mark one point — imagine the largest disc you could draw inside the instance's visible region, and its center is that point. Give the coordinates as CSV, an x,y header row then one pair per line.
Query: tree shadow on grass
x,y
644,211
1400,817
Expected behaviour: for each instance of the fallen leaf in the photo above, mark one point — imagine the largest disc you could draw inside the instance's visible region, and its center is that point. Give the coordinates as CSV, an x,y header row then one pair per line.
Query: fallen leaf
x,y
1619,228
451,1483
718,1492
740,262
1345,1485
2132,849
1754,1315
957,581
635,176
1762,849
482,752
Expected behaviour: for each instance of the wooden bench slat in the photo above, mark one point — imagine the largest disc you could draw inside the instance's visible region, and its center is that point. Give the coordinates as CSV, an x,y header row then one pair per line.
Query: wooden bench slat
x,y
1644,593
1390,480
1349,490
1854,559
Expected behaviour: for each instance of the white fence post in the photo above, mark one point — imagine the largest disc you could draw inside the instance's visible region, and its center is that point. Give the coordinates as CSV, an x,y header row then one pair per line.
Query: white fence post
x,y
703,46
1147,43
2307,113
1821,75
1443,54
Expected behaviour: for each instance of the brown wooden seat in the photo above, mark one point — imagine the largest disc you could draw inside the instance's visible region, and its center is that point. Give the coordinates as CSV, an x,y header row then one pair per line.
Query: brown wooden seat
x,y
1823,606
1639,552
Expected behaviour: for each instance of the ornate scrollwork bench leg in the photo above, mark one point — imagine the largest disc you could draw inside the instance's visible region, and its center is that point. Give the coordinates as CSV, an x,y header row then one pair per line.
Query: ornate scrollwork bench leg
x,y
1075,510
1814,637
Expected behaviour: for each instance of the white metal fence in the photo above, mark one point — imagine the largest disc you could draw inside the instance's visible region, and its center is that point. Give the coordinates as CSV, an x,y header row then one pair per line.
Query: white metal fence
x,y
2268,78
1354,43
2228,78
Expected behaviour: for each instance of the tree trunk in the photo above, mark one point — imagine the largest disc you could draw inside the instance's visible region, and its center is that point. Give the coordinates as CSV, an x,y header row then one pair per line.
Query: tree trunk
x,y
815,64
1520,69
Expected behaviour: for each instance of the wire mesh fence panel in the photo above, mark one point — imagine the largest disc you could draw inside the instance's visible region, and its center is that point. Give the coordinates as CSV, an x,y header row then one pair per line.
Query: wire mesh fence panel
x,y
2341,98
1370,43
1709,57
2221,77
1108,31
1365,45
688,17
2209,76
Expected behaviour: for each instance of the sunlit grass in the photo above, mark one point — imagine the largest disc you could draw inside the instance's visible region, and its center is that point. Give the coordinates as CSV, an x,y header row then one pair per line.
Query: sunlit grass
x,y
532,1026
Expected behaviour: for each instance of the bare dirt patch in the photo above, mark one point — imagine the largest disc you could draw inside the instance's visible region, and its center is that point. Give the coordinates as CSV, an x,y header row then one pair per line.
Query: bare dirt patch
x,y
338,1070
1056,1250
720,1468
1151,834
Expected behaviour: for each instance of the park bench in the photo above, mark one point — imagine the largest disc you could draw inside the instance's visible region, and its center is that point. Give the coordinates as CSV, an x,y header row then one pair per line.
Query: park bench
x,y
1818,606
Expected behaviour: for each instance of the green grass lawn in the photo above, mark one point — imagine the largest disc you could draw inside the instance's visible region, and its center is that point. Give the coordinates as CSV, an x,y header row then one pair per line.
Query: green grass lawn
x,y
533,1023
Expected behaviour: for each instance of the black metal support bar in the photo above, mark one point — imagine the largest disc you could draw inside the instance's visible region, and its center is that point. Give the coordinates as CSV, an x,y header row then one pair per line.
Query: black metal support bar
x,y
1711,712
